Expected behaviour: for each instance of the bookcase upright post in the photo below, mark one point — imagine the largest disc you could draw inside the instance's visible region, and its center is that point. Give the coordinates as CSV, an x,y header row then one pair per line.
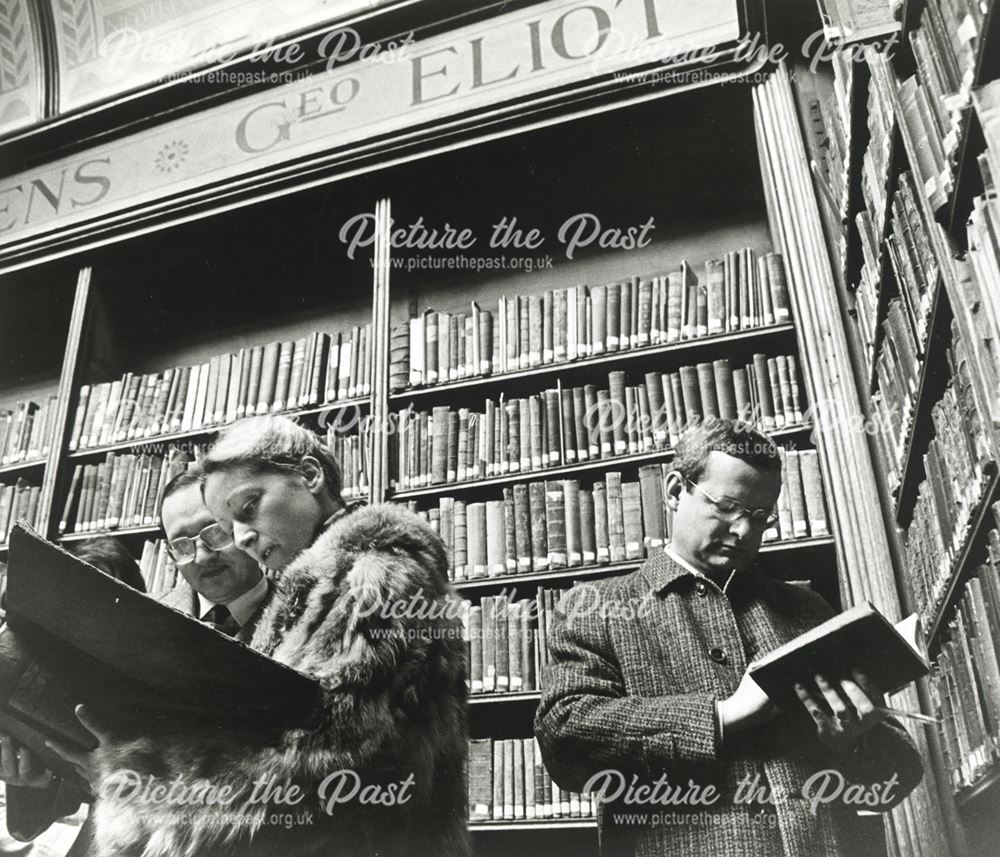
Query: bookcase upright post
x,y
68,382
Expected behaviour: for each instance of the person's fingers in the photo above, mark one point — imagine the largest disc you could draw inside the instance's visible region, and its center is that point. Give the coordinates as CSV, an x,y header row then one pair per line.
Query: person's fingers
x,y
859,699
865,683
834,700
28,765
810,703
8,756
93,724
66,752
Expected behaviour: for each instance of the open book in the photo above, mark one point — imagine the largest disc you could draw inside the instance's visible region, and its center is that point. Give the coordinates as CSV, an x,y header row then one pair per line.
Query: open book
x,y
860,638
77,635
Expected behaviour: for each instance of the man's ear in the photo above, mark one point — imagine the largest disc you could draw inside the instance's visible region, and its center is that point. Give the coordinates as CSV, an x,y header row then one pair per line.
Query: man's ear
x,y
313,474
674,486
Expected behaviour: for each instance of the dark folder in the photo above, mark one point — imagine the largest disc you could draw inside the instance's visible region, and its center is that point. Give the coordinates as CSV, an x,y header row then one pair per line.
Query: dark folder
x,y
77,635
859,638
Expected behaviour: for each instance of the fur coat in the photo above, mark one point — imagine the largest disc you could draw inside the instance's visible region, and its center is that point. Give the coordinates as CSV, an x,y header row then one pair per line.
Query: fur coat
x,y
366,610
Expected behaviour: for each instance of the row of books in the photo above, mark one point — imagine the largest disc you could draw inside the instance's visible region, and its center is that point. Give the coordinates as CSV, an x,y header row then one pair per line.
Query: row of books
x,y
507,641
965,680
915,264
25,431
567,425
976,306
124,490
914,261
739,291
542,526
263,379
508,782
18,502
897,368
877,157
955,463
351,452
945,46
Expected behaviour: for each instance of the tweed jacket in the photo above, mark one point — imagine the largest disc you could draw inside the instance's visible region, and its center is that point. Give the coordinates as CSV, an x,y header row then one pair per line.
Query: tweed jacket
x,y
637,666
366,610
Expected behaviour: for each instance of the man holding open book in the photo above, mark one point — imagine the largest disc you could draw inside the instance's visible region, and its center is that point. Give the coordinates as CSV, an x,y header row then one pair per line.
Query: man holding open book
x,y
648,700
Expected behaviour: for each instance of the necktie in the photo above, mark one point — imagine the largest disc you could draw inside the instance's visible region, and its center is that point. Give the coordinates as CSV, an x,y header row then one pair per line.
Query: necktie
x,y
222,620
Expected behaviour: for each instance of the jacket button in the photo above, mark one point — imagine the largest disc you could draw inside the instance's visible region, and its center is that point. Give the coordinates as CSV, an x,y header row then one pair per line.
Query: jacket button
x,y
717,654
701,589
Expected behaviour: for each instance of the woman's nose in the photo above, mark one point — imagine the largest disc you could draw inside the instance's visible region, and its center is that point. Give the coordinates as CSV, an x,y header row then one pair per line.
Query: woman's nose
x,y
243,536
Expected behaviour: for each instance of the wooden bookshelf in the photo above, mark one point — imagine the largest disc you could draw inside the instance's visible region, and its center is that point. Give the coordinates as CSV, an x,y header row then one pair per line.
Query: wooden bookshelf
x,y
589,572
205,435
982,792
930,387
979,524
22,468
566,470
538,824
933,374
966,176
615,359
505,698
149,530
885,273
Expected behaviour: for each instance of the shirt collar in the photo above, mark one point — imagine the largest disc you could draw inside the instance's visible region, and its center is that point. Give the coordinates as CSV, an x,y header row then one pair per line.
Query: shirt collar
x,y
666,568
242,607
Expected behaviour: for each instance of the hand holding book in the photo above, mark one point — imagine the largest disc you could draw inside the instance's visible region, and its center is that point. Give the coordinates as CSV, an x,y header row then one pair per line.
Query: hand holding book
x,y
842,710
84,762
20,766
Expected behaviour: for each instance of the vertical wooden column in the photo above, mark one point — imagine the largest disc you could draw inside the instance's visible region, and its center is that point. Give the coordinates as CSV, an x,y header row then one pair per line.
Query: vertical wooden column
x,y
62,419
834,401
378,436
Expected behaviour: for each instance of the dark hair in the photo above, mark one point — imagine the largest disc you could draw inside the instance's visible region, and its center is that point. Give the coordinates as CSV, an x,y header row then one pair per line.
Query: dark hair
x,y
110,555
733,437
271,443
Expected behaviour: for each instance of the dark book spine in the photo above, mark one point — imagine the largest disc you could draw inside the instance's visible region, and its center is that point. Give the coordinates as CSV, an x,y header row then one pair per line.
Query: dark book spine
x,y
725,389
618,411
539,526
555,517
522,527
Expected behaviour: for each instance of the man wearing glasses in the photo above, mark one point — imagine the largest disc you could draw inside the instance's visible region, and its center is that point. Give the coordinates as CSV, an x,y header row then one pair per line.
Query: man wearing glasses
x,y
222,585
647,692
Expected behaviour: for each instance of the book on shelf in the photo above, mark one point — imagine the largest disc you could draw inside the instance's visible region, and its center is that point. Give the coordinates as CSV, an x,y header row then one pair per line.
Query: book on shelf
x,y
275,377
974,281
610,520
859,638
504,643
956,466
351,450
25,431
568,425
946,48
55,653
965,676
507,781
849,21
18,502
740,291
159,573
124,490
